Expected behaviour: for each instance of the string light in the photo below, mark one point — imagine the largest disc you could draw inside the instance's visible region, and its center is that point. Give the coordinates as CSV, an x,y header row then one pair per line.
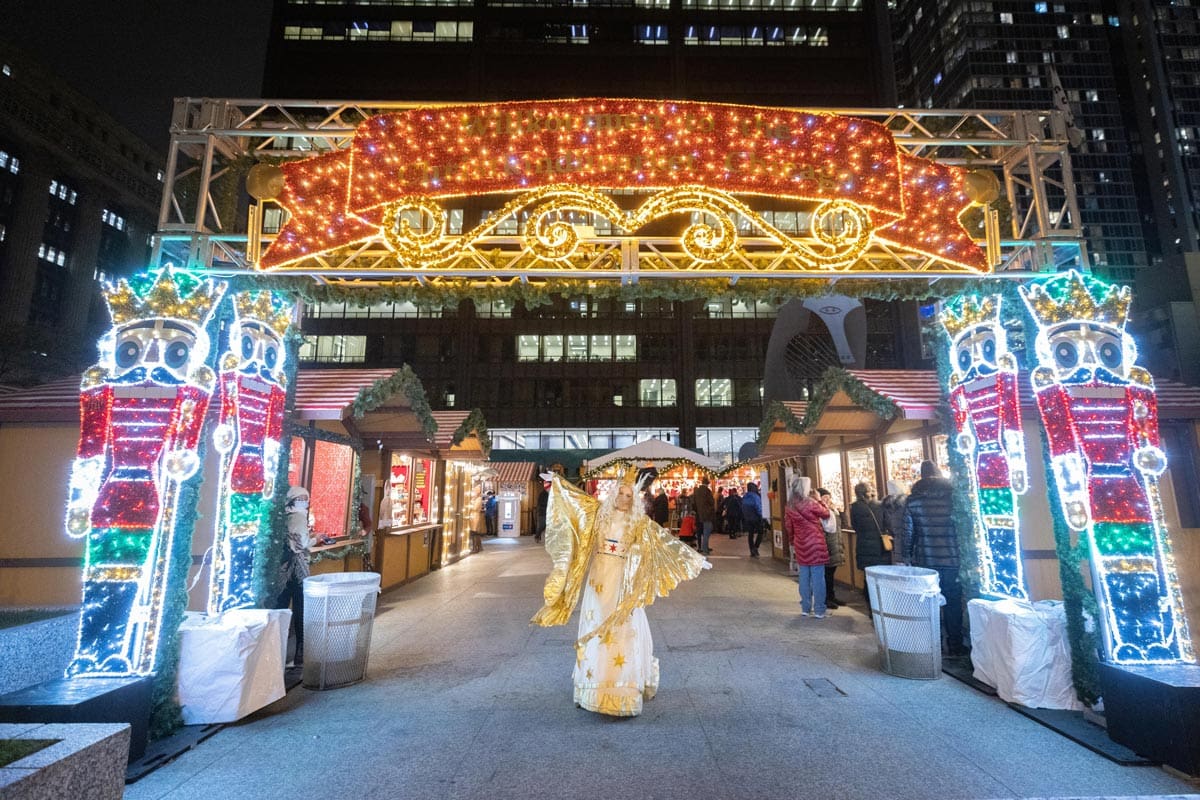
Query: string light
x,y
405,161
1100,414
142,412
987,420
253,391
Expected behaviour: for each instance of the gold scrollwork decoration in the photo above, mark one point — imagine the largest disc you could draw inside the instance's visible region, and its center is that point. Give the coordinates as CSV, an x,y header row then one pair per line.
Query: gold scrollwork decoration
x,y
415,228
556,239
419,244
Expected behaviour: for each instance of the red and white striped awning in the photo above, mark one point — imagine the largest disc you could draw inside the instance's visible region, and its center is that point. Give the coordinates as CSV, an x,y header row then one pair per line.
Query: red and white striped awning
x,y
328,393
512,472
320,394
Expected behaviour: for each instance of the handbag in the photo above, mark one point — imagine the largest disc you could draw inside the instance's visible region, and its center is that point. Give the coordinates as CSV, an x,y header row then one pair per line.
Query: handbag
x,y
885,539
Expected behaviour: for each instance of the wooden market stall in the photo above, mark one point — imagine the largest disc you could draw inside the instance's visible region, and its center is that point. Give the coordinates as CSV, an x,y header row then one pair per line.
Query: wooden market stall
x,y
878,425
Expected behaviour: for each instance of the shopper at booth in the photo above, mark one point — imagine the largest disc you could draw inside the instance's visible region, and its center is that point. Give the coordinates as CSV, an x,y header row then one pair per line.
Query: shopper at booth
x,y
866,517
491,513
832,527
931,540
295,562
662,508
543,501
733,513
893,517
802,523
706,512
752,518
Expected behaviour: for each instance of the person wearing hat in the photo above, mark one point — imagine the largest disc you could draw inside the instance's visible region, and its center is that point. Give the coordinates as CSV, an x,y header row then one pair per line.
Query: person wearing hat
x,y
706,513
294,567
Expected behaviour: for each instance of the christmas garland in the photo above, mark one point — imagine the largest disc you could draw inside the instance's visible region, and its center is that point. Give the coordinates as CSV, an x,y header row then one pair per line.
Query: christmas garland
x,y
448,292
625,463
833,380
339,553
473,424
404,382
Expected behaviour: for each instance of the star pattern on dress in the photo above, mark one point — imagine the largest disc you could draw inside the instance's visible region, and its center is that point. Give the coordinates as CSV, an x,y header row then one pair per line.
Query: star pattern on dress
x,y
619,660
612,548
589,674
606,639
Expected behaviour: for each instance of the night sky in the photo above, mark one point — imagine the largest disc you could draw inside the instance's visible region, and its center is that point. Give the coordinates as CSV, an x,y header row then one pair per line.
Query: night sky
x,y
133,56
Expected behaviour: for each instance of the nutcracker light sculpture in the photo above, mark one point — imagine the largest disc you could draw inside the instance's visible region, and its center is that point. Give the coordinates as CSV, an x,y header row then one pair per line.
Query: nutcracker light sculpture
x,y
987,419
142,414
1100,414
253,391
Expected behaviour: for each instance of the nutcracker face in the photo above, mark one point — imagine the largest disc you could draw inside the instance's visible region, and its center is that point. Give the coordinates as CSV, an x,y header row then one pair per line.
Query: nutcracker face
x,y
156,350
977,352
259,350
1080,352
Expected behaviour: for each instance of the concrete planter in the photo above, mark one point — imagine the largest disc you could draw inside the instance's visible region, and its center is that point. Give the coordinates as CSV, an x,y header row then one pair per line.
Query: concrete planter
x,y
38,651
89,761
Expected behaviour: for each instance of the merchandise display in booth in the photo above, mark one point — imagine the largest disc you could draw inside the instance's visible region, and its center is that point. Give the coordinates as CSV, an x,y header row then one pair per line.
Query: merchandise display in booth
x,y
330,482
941,452
860,467
462,504
829,472
411,486
902,460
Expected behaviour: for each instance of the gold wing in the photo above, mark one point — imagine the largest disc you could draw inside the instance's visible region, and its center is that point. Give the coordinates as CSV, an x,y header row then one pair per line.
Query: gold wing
x,y
570,540
655,564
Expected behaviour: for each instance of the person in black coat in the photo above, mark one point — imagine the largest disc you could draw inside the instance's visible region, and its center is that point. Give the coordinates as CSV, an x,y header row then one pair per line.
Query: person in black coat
x,y
662,508
543,502
931,540
733,513
866,517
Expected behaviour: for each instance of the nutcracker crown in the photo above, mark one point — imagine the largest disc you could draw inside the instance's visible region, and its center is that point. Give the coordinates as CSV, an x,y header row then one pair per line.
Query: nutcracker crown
x,y
967,312
1075,297
166,294
266,307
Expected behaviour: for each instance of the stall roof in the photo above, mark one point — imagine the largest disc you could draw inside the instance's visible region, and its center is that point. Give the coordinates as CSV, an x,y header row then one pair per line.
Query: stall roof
x,y
513,471
330,393
653,450
867,402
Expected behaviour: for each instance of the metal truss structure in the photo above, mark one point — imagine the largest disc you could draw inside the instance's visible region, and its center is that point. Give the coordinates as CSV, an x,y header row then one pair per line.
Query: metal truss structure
x,y
207,220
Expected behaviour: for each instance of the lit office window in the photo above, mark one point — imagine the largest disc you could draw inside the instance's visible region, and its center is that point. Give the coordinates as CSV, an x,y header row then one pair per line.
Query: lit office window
x,y
626,347
334,349
656,392
577,348
552,347
528,348
714,392
601,348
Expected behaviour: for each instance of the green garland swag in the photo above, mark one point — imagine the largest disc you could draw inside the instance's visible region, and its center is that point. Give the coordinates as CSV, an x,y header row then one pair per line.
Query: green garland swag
x,y
339,553
832,381
448,292
475,423
404,382
626,463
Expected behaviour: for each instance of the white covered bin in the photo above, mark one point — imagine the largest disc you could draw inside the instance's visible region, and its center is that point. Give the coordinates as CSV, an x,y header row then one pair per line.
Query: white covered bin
x,y
339,609
907,611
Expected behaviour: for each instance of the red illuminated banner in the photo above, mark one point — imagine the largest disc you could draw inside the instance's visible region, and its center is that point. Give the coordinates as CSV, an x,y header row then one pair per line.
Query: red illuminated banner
x,y
511,148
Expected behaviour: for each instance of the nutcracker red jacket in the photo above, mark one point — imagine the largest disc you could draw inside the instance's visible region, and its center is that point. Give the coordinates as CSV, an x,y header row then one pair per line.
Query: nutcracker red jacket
x,y
803,526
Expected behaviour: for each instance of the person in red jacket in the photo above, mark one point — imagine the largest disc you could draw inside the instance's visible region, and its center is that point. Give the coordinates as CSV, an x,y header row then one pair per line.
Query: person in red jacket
x,y
802,522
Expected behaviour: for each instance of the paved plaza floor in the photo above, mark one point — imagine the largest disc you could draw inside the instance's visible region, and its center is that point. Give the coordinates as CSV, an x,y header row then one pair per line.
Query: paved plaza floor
x,y
464,699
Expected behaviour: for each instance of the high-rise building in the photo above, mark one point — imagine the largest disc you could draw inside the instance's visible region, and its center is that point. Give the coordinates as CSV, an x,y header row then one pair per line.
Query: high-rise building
x,y
587,371
78,201
1126,71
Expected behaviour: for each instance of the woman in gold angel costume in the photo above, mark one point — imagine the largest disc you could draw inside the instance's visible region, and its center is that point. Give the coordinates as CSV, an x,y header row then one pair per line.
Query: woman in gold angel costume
x,y
620,561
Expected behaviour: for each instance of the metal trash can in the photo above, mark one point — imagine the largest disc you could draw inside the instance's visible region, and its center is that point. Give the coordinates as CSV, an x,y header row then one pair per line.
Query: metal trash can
x,y
339,609
906,605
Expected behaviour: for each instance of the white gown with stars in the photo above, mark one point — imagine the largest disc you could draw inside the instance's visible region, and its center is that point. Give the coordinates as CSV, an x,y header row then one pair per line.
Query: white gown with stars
x,y
615,673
